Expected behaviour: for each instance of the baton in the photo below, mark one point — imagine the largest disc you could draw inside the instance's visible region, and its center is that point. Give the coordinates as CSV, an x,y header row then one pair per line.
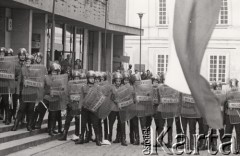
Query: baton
x,y
80,124
44,104
238,113
18,105
108,126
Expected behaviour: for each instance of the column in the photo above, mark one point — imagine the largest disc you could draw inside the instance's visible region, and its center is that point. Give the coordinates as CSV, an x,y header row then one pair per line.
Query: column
x,y
85,49
109,53
97,51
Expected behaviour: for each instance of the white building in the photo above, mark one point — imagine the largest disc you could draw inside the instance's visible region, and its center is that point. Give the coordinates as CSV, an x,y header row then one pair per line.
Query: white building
x,y
222,57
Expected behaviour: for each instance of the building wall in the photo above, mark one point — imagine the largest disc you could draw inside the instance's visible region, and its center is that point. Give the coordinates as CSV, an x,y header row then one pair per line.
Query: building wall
x,y
22,31
117,13
87,11
156,39
5,34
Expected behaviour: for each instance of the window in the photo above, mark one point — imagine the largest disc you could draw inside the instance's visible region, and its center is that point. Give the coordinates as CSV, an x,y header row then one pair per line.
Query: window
x,y
162,12
79,43
217,69
162,63
223,14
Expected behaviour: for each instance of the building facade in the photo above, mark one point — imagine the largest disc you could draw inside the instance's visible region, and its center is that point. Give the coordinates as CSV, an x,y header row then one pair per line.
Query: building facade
x,y
221,60
59,28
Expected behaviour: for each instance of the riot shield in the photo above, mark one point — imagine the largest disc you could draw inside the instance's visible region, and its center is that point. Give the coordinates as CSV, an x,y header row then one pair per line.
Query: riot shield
x,y
189,109
233,103
7,75
33,80
75,90
94,98
58,92
125,101
106,107
42,73
144,98
234,111
169,102
222,97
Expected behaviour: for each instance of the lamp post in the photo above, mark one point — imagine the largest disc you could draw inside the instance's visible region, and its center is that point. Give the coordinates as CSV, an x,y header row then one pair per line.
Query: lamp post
x,y
140,17
105,28
53,31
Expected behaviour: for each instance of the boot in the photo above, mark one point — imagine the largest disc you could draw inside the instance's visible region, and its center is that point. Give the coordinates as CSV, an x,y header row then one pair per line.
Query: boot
x,y
98,142
35,116
169,144
77,126
8,118
60,131
39,123
29,127
137,139
81,139
118,138
202,145
110,137
29,124
60,127
87,137
64,135
15,126
131,136
52,123
123,140
214,145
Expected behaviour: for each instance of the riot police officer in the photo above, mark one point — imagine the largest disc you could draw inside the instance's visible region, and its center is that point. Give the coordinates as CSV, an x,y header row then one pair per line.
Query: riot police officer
x,y
25,106
87,114
73,109
117,79
41,107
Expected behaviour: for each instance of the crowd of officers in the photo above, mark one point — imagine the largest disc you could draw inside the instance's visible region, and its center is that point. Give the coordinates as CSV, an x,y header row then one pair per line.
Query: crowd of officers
x,y
86,121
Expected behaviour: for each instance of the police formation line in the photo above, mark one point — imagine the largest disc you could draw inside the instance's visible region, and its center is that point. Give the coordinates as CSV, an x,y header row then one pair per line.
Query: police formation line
x,y
97,99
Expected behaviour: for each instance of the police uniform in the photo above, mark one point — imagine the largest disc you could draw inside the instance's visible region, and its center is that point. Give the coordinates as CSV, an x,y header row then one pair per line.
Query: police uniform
x,y
115,114
5,105
134,124
73,107
17,99
54,102
41,108
232,118
28,98
87,115
169,107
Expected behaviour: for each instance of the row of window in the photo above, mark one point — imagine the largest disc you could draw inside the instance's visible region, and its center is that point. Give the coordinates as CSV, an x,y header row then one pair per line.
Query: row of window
x,y
222,20
216,68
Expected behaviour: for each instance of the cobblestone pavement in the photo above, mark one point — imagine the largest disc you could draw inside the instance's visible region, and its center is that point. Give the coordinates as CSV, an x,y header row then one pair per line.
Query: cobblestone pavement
x,y
90,149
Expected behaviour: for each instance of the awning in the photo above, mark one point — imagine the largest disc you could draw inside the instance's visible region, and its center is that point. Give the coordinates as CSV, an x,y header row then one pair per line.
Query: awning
x,y
123,29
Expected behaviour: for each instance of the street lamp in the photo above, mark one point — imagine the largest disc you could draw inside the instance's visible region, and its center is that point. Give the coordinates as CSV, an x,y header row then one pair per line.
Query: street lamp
x,y
140,16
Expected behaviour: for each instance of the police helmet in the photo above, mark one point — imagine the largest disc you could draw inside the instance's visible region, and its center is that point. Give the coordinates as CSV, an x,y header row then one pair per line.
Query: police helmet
x,y
9,52
126,75
76,73
117,75
55,67
3,50
83,76
91,73
30,58
155,77
38,55
234,82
